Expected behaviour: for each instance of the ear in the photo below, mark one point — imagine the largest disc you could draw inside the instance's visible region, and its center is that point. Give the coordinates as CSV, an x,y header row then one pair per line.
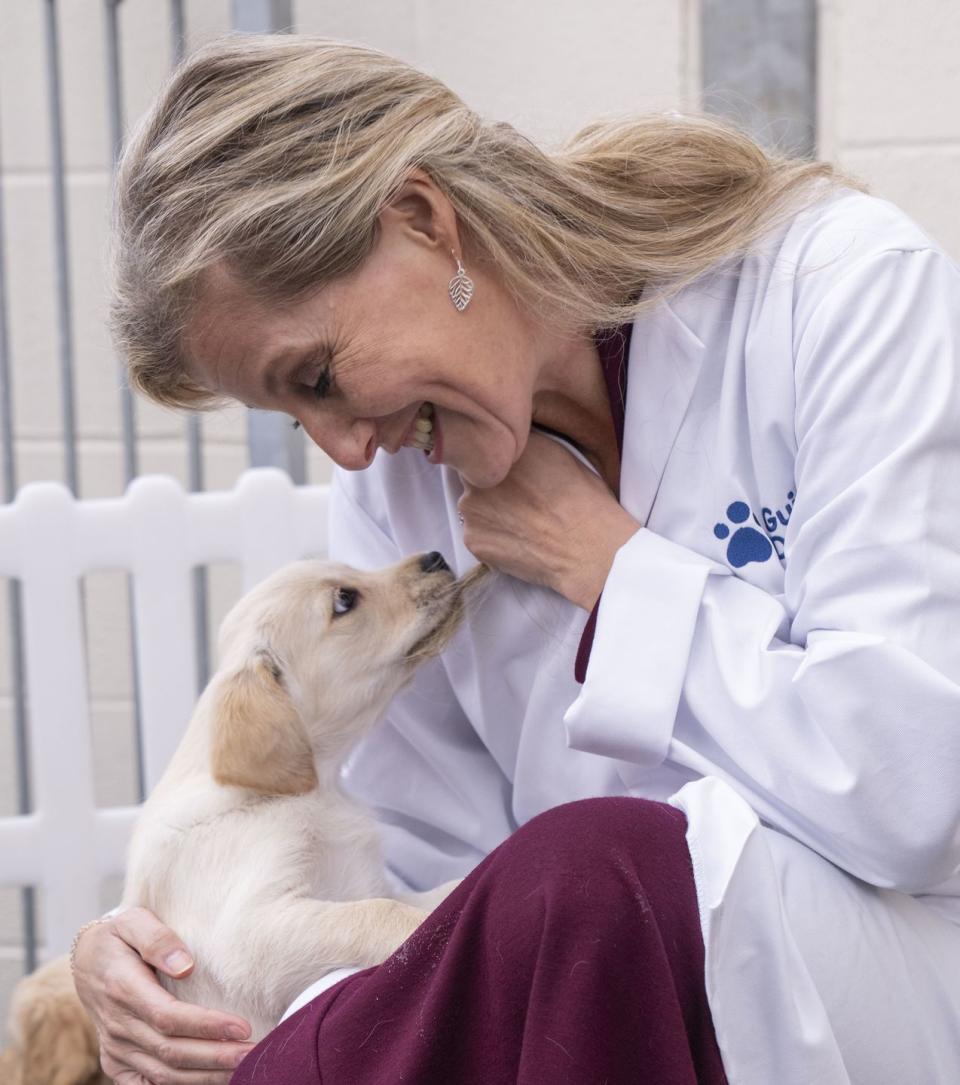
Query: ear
x,y
259,739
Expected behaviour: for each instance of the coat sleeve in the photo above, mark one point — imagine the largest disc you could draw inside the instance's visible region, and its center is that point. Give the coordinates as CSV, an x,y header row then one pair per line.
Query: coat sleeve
x,y
440,799
840,725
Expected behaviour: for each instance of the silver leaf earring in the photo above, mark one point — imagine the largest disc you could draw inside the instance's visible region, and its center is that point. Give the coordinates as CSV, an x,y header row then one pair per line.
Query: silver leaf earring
x,y
461,286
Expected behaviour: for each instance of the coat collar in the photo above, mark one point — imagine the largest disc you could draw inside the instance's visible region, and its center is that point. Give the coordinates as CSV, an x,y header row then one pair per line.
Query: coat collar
x,y
664,363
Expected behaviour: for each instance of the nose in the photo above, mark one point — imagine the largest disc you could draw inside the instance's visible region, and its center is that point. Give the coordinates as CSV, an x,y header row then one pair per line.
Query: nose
x,y
433,562
350,444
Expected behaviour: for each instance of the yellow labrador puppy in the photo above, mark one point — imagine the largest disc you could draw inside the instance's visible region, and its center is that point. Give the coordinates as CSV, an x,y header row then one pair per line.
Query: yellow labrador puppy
x,y
248,847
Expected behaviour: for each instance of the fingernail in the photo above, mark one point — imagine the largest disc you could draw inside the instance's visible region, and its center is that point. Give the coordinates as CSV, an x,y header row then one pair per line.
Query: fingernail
x,y
178,962
235,1032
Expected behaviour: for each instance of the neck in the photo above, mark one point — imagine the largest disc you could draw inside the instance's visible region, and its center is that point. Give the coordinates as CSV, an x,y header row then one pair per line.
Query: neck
x,y
571,397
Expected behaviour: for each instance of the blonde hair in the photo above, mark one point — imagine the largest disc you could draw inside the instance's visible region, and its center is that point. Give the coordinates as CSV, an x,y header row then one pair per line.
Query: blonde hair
x,y
276,154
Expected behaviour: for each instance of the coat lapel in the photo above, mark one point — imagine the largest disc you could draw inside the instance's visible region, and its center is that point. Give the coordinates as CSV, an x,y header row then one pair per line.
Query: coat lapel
x,y
664,364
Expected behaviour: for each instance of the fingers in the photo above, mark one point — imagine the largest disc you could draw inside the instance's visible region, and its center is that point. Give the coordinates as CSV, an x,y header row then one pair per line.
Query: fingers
x,y
155,943
154,1073
150,1032
138,998
145,1033
148,1001
164,1060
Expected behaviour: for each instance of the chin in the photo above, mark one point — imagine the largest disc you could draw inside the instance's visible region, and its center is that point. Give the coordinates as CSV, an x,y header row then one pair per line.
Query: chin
x,y
485,478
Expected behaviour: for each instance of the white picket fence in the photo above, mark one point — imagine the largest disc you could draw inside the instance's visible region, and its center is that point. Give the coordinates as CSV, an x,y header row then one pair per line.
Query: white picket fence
x,y
158,533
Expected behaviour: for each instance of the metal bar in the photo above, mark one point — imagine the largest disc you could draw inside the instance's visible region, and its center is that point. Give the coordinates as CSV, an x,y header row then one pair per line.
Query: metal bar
x,y
115,108
127,409
62,256
263,16
271,440
21,738
6,385
760,69
178,29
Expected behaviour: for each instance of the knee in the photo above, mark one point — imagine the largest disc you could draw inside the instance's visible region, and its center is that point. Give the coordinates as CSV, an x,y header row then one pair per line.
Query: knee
x,y
598,835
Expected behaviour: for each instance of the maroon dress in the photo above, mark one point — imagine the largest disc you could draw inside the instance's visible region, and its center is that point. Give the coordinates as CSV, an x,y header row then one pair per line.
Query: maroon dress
x,y
571,955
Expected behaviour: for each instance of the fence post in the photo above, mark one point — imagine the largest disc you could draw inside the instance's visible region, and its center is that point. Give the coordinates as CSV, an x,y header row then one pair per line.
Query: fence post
x,y
760,69
271,439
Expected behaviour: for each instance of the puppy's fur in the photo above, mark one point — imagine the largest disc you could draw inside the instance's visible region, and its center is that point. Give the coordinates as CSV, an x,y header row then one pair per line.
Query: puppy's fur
x,y
248,847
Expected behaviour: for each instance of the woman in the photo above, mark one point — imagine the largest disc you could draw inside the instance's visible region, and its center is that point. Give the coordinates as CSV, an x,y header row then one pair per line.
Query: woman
x,y
705,396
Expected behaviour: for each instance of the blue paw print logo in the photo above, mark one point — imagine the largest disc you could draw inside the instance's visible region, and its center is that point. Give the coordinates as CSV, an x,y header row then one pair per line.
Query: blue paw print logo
x,y
746,543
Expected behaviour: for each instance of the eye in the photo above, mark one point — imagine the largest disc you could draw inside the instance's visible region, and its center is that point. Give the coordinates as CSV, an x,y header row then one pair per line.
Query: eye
x,y
324,382
344,599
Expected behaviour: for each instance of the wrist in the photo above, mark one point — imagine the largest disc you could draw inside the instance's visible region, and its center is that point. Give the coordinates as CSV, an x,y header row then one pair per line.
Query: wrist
x,y
89,926
584,579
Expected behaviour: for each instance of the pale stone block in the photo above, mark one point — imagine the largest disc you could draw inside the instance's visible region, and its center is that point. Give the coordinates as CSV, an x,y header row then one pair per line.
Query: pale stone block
x,y
155,421
32,305
99,465
113,730
923,181
11,917
9,797
11,970
98,378
6,637
223,464
549,68
225,586
319,465
389,25
898,73
24,103
546,68
206,20
101,468
158,457
40,461
83,81
828,79
11,922
225,425
108,635
146,50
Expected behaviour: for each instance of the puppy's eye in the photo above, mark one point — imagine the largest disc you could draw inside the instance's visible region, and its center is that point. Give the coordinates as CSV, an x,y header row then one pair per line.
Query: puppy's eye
x,y
344,599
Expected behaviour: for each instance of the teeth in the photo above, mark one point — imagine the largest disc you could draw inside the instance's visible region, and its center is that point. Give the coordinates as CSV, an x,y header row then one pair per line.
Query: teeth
x,y
422,436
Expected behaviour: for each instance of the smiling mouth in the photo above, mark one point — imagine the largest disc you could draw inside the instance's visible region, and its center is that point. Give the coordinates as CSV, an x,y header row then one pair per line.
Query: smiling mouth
x,y
422,435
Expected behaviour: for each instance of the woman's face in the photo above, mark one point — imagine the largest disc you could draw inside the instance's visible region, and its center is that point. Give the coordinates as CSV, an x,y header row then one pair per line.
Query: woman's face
x,y
355,361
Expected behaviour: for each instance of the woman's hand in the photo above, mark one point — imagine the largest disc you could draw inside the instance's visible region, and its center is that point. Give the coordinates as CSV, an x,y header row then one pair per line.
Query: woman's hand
x,y
148,1037
551,521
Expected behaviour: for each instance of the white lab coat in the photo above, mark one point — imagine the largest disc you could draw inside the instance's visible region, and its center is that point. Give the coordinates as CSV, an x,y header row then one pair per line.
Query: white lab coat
x,y
777,650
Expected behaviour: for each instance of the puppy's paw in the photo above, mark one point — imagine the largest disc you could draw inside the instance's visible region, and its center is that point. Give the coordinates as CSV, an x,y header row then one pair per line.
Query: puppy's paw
x,y
430,898
54,1040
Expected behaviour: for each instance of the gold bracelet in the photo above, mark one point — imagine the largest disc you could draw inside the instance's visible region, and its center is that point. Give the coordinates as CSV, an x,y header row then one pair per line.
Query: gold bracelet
x,y
83,930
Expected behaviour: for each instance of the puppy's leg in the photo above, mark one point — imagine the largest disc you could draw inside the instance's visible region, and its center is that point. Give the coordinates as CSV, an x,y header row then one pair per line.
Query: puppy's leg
x,y
430,898
53,1038
299,940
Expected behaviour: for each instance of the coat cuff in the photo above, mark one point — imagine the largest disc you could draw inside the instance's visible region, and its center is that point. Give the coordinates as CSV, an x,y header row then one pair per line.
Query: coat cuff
x,y
646,619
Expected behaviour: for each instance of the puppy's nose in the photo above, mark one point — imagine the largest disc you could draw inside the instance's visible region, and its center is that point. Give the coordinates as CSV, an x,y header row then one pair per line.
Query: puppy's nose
x,y
433,562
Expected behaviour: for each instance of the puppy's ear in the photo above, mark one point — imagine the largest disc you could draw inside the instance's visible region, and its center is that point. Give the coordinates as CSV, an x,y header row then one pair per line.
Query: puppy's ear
x,y
259,740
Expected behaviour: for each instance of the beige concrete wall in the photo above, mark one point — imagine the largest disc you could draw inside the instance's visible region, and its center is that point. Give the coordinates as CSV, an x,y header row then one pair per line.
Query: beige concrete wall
x,y
890,104
543,65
